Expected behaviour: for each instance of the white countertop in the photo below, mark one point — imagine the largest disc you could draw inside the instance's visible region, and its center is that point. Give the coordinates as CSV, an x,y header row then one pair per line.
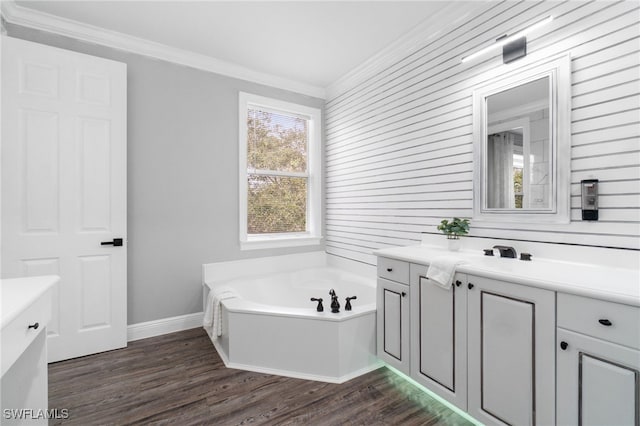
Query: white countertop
x,y
603,282
16,294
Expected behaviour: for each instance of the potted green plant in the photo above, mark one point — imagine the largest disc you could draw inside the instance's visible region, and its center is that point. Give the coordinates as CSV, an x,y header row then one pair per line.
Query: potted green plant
x,y
454,229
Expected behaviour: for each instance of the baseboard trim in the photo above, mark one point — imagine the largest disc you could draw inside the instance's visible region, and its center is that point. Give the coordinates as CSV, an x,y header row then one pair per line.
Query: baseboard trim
x,y
159,327
305,376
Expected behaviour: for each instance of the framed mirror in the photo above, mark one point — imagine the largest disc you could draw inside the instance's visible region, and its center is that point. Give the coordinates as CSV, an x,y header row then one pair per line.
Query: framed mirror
x,y
522,146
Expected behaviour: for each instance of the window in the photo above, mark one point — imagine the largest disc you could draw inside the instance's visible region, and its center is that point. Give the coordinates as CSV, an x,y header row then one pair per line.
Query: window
x,y
279,173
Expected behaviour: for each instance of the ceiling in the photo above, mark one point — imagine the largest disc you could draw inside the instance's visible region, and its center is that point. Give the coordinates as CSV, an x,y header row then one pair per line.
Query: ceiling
x,y
311,42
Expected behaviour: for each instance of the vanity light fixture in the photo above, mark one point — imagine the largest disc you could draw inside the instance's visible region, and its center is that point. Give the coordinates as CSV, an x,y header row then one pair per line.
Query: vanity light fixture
x,y
515,46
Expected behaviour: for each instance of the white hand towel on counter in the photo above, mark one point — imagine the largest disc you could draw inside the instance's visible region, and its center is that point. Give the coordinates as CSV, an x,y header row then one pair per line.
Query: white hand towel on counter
x,y
213,312
442,269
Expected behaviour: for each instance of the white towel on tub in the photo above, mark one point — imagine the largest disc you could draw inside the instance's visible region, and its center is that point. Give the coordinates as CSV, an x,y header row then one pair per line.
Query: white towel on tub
x,y
442,269
213,312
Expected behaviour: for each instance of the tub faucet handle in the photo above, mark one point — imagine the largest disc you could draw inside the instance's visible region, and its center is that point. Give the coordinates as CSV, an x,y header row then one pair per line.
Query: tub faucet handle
x,y
347,306
320,308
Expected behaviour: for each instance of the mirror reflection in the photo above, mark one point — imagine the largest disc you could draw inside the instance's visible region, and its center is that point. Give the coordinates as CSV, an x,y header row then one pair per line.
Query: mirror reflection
x,y
518,147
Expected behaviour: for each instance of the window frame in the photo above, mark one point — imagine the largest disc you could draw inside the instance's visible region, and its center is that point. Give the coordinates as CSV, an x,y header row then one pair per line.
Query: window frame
x,y
313,233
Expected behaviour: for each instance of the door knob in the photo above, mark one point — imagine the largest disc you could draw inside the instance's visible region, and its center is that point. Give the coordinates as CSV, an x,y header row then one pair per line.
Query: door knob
x,y
117,242
470,286
564,345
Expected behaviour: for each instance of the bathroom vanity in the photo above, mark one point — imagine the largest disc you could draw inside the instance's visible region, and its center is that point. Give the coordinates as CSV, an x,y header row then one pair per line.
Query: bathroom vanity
x,y
26,311
515,342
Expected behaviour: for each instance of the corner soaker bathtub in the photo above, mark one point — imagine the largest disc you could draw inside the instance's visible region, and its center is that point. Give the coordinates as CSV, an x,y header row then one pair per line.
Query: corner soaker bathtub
x,y
273,327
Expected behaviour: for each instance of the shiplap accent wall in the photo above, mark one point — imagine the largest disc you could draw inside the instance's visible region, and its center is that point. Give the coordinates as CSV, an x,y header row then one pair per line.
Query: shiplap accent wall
x,y
399,147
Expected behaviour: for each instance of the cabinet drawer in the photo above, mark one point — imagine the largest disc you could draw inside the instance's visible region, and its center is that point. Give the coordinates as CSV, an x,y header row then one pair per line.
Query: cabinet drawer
x,y
17,336
395,270
609,321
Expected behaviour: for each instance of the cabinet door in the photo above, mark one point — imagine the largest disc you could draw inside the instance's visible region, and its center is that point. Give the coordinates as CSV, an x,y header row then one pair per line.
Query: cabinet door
x,y
598,381
439,336
393,324
511,331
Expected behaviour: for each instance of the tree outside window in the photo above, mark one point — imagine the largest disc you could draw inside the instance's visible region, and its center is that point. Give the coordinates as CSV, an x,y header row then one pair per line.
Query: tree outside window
x,y
277,176
280,173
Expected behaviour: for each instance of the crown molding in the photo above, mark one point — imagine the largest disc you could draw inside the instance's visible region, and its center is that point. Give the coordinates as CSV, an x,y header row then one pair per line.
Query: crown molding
x,y
434,26
30,18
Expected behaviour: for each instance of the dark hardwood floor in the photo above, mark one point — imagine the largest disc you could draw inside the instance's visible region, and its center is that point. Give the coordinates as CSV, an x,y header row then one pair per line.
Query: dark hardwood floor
x,y
179,379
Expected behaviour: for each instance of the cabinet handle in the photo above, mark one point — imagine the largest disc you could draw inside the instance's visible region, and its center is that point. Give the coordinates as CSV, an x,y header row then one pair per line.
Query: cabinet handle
x,y
458,283
34,326
470,286
389,269
404,294
605,322
564,345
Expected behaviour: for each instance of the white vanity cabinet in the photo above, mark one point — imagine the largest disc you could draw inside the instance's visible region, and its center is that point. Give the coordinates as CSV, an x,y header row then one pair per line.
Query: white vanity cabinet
x,y
544,342
439,335
393,313
511,354
26,310
485,345
598,362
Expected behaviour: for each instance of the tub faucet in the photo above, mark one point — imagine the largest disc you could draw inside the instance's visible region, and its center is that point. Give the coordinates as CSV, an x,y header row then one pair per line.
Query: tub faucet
x,y
506,251
335,305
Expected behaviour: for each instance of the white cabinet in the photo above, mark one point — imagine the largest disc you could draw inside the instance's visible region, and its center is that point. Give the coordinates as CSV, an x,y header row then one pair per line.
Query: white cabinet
x,y
511,336
509,353
523,343
598,362
393,314
487,346
26,310
439,335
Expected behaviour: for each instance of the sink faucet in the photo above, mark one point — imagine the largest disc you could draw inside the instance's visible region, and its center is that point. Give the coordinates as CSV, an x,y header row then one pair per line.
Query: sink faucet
x,y
335,305
506,251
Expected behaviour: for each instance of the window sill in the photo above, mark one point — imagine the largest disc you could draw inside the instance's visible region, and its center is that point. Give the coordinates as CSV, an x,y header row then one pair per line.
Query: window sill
x,y
267,242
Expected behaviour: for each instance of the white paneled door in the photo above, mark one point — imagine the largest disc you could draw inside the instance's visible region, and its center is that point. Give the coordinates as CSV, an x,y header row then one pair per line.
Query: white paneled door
x,y
64,189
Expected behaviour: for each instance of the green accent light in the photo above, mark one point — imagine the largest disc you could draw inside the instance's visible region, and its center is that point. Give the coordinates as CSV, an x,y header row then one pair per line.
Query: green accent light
x,y
437,397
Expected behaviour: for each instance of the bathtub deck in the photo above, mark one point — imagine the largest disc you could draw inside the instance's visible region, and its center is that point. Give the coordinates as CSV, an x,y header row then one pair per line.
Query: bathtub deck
x,y
179,379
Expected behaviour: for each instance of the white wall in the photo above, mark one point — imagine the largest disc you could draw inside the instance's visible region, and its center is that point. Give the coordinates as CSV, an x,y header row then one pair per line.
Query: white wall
x,y
399,132
182,154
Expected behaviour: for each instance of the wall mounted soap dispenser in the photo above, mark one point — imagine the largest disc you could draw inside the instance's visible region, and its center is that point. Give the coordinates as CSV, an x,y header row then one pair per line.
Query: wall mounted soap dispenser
x,y
589,197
